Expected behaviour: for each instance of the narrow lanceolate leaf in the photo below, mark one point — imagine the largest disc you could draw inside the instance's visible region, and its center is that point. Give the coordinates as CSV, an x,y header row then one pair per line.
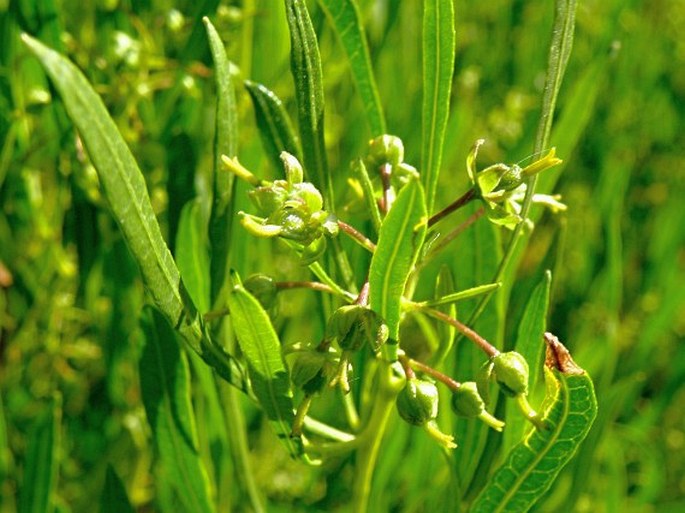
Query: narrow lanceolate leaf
x,y
124,186
532,327
305,64
401,236
273,122
37,492
225,143
191,253
532,465
165,388
438,66
266,368
344,15
114,498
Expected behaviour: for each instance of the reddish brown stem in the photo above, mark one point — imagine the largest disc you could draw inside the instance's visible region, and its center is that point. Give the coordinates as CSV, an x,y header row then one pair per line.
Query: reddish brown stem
x,y
358,236
456,205
444,378
483,344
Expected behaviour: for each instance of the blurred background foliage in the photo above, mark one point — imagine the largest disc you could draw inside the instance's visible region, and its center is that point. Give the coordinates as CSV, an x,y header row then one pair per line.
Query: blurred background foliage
x,y
71,296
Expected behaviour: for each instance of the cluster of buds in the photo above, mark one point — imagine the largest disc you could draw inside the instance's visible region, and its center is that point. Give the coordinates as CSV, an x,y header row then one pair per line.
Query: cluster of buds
x,y
502,189
291,209
386,154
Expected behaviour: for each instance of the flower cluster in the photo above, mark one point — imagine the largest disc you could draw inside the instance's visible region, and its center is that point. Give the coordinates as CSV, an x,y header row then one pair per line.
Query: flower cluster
x,y
291,209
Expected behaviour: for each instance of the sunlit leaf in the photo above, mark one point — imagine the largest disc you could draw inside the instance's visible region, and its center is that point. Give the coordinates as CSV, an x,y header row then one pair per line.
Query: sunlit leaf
x,y
401,236
532,465
268,374
344,15
124,187
438,66
273,122
225,143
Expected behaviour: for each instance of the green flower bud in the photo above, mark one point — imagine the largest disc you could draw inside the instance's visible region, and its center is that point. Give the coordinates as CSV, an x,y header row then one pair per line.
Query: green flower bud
x,y
263,288
511,373
312,252
307,371
353,325
385,149
293,168
466,401
268,199
309,195
417,402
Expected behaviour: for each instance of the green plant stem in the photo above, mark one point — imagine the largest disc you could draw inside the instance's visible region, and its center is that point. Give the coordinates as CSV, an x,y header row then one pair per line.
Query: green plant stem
x,y
351,411
235,426
367,453
452,207
483,344
323,276
357,236
362,174
385,171
559,52
312,285
319,428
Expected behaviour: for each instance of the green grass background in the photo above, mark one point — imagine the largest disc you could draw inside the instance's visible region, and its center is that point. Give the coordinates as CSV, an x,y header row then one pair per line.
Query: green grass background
x,y
71,296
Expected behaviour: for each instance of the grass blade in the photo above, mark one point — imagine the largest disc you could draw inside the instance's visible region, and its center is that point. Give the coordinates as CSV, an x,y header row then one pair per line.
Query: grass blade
x,y
531,329
124,186
345,18
165,388
40,466
400,239
268,374
225,143
438,66
114,498
533,464
305,63
273,122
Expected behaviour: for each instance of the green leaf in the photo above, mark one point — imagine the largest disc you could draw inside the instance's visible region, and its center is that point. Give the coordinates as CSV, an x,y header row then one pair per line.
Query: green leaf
x,y
273,122
531,329
191,253
400,239
124,186
165,389
268,374
344,15
532,465
114,498
305,64
37,493
438,66
453,297
225,143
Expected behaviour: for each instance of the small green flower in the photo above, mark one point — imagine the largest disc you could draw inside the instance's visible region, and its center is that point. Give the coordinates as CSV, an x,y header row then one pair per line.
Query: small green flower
x,y
502,189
